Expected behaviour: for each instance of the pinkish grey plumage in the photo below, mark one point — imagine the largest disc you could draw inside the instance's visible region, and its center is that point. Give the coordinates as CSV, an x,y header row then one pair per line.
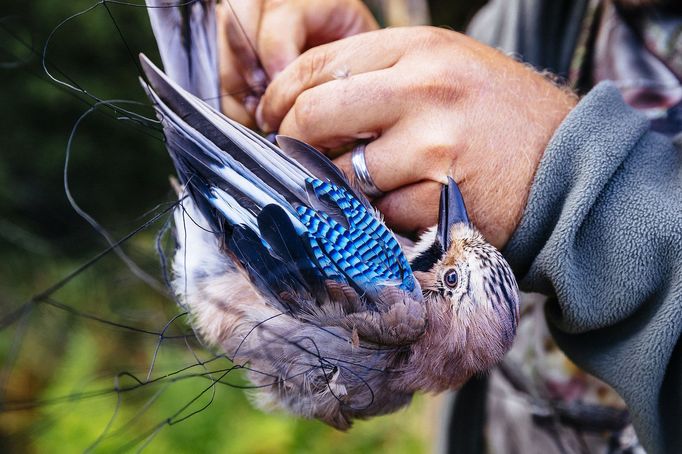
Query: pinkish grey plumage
x,y
337,368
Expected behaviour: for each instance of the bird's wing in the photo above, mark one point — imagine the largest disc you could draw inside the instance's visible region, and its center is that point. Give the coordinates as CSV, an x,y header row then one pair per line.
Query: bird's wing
x,y
276,218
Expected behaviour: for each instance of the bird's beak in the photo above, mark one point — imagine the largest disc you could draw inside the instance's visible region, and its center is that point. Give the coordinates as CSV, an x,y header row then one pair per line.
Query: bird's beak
x,y
451,211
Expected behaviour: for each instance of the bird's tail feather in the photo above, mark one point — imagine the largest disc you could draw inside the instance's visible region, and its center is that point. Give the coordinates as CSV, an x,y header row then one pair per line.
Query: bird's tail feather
x,y
186,36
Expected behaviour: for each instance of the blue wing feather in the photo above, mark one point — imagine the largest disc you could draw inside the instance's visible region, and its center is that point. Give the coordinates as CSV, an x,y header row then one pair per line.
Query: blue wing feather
x,y
365,253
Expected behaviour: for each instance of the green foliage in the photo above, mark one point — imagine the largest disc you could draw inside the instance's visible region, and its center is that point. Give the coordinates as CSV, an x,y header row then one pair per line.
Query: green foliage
x,y
65,355
117,169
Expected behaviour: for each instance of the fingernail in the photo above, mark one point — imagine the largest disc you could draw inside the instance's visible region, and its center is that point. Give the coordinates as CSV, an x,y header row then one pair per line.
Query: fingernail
x,y
259,119
251,103
366,136
259,78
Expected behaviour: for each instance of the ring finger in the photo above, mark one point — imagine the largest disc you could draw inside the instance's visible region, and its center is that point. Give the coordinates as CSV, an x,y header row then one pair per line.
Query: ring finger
x,y
399,158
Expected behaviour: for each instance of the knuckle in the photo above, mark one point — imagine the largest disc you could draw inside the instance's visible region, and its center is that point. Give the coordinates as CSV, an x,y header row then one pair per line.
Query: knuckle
x,y
438,152
440,92
438,87
305,109
425,38
311,63
437,35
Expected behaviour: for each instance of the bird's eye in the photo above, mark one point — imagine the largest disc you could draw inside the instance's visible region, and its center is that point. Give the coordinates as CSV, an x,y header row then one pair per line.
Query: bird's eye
x,y
451,279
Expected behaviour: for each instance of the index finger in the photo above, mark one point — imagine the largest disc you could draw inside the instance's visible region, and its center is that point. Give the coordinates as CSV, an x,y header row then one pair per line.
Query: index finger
x,y
241,21
357,54
288,28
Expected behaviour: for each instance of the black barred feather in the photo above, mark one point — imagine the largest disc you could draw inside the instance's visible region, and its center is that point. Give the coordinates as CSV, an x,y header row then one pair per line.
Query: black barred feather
x,y
245,173
263,269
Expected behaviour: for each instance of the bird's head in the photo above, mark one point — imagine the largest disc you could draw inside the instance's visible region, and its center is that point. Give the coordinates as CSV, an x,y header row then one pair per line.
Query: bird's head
x,y
471,297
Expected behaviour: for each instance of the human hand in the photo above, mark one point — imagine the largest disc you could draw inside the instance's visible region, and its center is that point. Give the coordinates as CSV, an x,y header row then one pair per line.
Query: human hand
x,y
437,103
258,39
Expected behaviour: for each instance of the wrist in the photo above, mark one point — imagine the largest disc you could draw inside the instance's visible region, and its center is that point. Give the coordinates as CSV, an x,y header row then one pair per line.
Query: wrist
x,y
498,181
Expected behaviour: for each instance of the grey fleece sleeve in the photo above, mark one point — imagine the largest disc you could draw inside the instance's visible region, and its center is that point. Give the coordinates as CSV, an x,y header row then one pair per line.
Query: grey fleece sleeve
x,y
602,235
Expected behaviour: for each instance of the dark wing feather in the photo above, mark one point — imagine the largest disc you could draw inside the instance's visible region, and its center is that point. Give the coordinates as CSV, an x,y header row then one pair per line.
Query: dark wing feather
x,y
265,272
180,105
195,169
276,229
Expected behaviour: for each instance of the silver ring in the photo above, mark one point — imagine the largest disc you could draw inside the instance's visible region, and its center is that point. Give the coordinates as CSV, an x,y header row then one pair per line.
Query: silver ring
x,y
362,176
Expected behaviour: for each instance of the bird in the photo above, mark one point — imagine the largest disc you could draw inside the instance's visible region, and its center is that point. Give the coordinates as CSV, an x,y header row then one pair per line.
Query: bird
x,y
286,267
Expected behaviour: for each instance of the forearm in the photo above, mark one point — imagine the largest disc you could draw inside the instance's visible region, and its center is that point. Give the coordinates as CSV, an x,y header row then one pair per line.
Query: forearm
x,y
602,234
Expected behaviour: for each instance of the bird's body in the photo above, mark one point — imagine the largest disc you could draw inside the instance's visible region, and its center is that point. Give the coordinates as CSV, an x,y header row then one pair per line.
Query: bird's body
x,y
316,371
288,269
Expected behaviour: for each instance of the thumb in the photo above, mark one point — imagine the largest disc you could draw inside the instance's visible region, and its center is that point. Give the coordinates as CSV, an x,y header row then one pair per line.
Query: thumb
x,y
289,28
242,18
281,37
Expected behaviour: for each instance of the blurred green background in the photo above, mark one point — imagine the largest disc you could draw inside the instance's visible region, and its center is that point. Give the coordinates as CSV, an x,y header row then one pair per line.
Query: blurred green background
x,y
118,171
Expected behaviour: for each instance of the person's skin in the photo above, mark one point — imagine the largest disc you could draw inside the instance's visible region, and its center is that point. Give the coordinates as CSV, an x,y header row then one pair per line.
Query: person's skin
x,y
435,103
259,38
